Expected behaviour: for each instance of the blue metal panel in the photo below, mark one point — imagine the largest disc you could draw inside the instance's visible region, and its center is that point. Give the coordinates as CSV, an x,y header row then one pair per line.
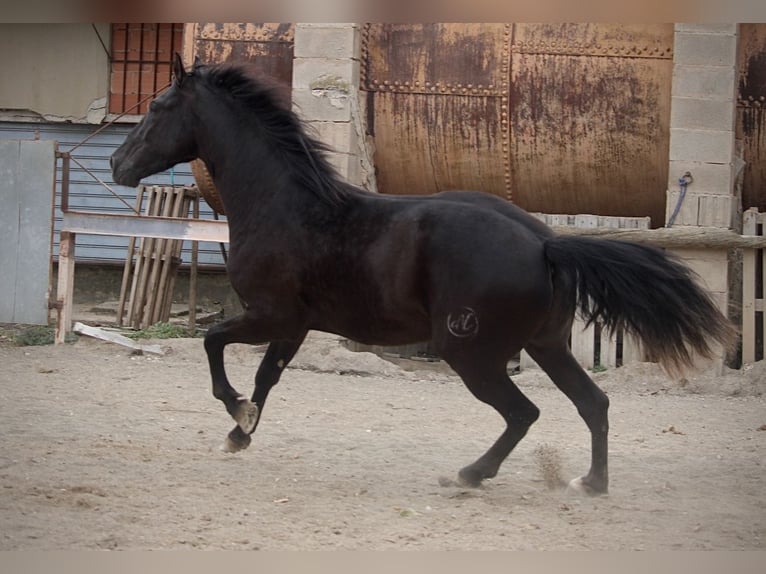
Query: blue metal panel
x,y
86,193
26,189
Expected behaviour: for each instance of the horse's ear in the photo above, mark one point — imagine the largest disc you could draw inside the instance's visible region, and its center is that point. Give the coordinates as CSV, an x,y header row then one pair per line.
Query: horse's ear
x,y
197,64
179,72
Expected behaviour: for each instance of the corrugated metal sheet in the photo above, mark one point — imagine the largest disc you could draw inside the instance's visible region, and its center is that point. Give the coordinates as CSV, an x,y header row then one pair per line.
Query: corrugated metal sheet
x,y
87,194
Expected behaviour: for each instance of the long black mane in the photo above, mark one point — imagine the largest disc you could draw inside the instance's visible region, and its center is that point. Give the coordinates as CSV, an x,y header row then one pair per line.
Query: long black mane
x,y
305,156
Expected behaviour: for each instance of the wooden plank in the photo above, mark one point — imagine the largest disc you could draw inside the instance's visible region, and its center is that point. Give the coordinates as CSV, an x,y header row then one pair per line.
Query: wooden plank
x,y
165,203
147,246
113,337
65,288
760,257
187,197
193,274
180,208
749,226
114,224
672,237
128,269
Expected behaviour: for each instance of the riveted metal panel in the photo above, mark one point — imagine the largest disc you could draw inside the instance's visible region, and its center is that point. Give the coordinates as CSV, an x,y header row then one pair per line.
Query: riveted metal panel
x,y
463,59
590,113
751,113
429,143
267,46
568,117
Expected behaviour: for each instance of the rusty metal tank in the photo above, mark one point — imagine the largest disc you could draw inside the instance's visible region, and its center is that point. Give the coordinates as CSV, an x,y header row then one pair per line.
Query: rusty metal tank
x,y
751,113
268,46
559,118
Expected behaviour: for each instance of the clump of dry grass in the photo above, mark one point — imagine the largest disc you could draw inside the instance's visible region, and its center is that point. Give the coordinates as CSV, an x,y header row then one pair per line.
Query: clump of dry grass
x,y
549,462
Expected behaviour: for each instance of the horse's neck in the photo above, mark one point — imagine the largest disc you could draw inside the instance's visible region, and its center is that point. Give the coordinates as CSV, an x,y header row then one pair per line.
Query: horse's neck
x,y
252,179
259,196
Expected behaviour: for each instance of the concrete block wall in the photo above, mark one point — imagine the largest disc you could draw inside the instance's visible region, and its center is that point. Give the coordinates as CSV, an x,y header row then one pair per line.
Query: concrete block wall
x,y
326,75
702,122
703,143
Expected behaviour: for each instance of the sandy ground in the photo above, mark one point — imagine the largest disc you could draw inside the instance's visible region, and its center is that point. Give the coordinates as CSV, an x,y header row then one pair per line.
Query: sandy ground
x,y
104,449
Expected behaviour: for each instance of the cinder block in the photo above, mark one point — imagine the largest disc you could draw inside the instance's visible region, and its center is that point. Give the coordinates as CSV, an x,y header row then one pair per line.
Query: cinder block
x,y
325,73
702,113
334,41
705,49
717,210
710,264
706,28
702,145
348,166
711,178
319,105
340,136
688,212
711,82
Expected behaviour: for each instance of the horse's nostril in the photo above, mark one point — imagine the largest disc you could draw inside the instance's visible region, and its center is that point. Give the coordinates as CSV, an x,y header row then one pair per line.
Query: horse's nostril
x,y
111,162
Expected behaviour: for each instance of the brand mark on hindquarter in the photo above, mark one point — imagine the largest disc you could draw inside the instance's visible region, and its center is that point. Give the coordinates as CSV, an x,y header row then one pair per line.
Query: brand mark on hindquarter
x,y
463,323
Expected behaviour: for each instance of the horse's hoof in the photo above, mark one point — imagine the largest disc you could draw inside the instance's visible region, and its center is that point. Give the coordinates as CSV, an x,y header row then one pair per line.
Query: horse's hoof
x,y
231,446
469,477
246,415
580,487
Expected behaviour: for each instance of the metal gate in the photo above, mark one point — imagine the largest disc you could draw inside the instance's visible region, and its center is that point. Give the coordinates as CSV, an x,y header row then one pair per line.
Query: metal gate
x,y
88,194
27,177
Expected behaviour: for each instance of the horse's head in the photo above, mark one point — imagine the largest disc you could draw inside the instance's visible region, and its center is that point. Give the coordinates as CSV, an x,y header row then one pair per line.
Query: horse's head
x,y
164,137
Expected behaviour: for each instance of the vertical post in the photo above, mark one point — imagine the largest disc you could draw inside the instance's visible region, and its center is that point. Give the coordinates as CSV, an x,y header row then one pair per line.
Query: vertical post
x,y
65,289
65,162
193,274
749,227
703,143
326,80
129,262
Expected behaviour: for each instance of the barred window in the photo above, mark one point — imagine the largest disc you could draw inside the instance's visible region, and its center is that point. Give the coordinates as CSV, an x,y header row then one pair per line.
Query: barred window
x,y
142,58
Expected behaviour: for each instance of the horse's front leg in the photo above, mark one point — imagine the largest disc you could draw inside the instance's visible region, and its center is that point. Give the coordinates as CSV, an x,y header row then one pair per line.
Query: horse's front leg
x,y
240,329
273,364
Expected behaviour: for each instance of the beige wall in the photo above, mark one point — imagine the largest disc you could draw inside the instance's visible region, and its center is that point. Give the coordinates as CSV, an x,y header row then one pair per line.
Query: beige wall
x,y
54,71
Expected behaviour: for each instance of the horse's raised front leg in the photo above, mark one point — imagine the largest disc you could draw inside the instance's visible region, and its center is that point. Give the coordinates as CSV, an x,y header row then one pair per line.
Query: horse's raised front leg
x,y
592,404
240,329
273,364
246,329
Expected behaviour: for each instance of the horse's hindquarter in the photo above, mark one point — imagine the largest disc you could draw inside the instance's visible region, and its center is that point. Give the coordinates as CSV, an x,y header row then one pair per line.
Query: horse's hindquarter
x,y
488,278
412,266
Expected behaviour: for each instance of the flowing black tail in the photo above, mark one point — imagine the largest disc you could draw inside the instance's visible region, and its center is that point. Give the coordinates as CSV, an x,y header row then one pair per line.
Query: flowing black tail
x,y
646,291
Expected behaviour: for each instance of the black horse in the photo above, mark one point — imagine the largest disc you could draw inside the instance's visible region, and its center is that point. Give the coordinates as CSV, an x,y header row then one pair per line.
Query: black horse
x,y
474,274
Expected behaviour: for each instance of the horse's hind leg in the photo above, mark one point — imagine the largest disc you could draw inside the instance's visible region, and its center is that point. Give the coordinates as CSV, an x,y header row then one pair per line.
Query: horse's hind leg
x,y
591,402
273,364
494,387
